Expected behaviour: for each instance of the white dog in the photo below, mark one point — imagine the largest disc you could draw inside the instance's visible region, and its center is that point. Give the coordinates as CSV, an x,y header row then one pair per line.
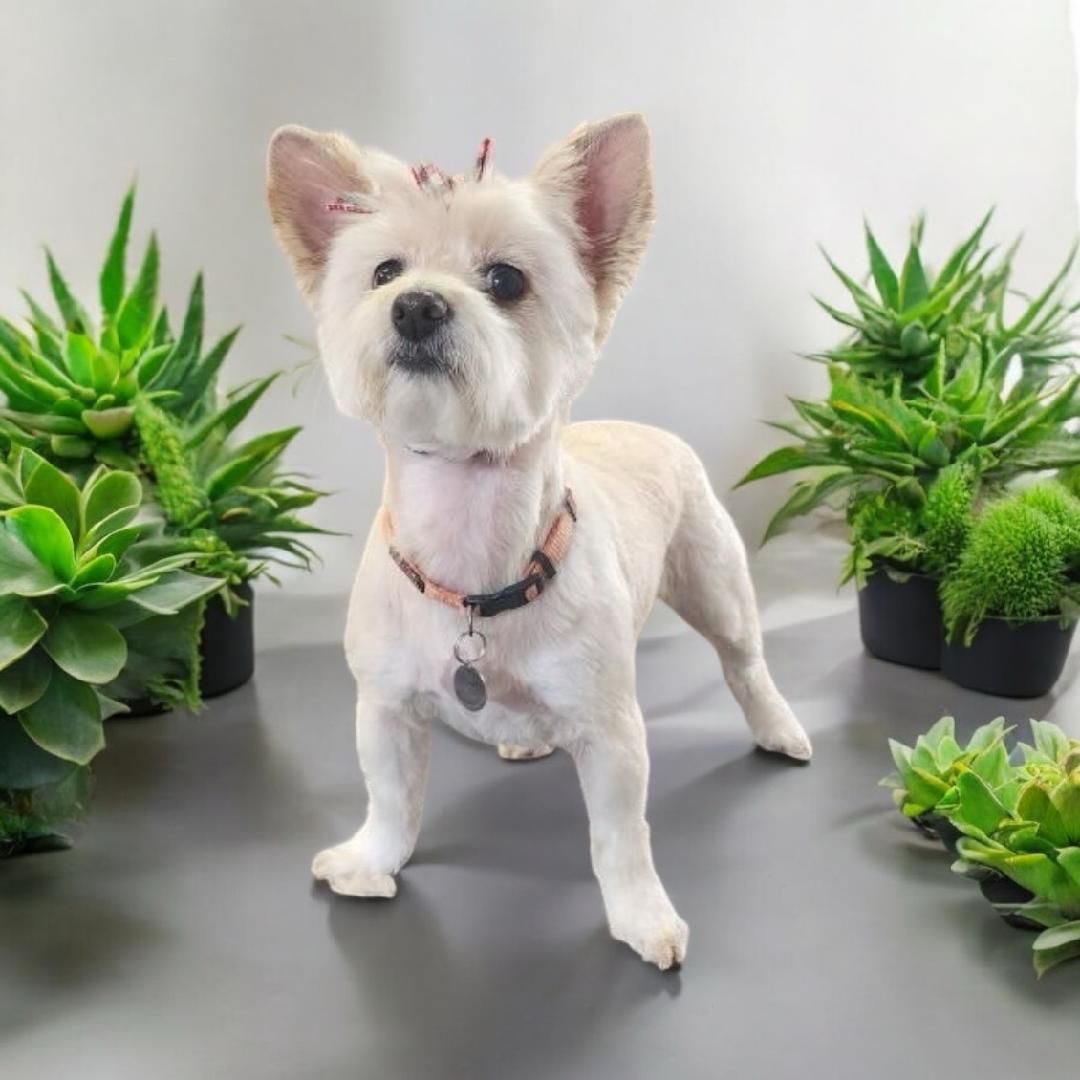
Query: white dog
x,y
462,316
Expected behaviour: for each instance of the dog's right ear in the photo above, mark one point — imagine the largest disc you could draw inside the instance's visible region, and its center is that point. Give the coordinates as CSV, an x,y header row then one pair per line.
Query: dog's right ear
x,y
306,171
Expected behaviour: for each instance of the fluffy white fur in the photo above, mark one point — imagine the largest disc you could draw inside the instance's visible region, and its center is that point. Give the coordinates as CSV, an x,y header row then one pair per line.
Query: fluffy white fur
x,y
477,460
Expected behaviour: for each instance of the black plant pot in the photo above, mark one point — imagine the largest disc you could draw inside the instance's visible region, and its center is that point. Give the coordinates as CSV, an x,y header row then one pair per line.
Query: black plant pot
x,y
1022,661
900,621
940,828
227,646
999,889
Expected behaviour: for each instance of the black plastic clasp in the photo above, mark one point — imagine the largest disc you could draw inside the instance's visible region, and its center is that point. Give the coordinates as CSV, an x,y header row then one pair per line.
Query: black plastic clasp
x,y
513,596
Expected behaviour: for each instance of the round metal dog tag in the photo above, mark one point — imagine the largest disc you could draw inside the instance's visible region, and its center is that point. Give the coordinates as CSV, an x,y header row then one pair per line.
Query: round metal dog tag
x,y
470,688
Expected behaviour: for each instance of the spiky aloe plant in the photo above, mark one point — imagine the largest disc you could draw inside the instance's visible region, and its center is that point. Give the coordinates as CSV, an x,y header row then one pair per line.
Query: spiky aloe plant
x,y
71,382
234,502
90,615
915,315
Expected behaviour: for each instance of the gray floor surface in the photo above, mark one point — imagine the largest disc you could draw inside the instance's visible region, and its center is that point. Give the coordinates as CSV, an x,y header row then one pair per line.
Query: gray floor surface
x,y
182,937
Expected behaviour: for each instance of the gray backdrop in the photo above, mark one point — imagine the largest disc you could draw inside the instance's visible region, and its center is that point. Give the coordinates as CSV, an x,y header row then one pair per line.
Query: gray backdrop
x,y
777,124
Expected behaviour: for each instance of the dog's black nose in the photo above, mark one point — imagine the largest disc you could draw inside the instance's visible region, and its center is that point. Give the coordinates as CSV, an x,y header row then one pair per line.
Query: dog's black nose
x,y
419,314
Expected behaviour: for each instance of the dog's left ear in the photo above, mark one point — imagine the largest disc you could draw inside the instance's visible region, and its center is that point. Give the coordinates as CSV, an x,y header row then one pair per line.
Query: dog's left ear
x,y
602,174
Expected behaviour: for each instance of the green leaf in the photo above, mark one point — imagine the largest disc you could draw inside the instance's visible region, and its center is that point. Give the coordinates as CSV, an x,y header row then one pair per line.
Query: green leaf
x,y
23,764
21,572
66,720
136,316
943,728
882,272
21,628
48,486
109,423
786,459
247,460
24,682
71,311
80,356
111,280
1056,945
86,646
979,806
1066,799
201,380
175,591
71,446
1034,804
150,364
43,533
95,570
177,368
1050,739
806,495
913,288
112,495
241,401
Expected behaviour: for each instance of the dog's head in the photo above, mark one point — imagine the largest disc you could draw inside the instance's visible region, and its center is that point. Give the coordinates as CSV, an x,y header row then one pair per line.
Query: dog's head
x,y
462,314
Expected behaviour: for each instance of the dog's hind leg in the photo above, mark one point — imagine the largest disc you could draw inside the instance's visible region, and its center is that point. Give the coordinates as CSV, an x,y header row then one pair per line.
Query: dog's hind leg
x,y
707,581
393,745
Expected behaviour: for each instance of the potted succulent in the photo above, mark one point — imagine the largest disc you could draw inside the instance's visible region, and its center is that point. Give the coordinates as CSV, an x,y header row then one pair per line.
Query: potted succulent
x,y
928,771
129,393
924,383
1014,825
1023,844
1010,601
91,614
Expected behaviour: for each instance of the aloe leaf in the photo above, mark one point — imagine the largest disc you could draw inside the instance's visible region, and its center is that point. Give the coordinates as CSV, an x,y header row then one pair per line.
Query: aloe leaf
x,y
912,289
21,627
66,720
247,459
74,317
135,318
180,361
109,423
955,263
86,646
111,280
241,401
201,380
883,274
1041,300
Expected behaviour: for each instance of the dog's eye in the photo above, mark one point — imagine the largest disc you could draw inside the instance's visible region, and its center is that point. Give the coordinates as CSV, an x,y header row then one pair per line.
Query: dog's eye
x,y
505,282
385,272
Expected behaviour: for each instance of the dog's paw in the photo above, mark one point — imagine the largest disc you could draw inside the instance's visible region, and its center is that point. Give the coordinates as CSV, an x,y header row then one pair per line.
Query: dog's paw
x,y
776,730
512,752
656,933
347,872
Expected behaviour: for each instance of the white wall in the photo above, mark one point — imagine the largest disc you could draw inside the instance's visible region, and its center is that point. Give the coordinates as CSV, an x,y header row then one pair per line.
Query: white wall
x,y
777,124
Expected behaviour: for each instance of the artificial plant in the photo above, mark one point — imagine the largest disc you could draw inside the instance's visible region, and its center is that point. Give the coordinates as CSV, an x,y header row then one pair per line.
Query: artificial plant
x,y
934,377
1021,562
90,617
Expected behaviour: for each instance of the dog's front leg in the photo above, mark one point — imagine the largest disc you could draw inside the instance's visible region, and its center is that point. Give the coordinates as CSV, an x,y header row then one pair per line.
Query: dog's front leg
x,y
393,744
613,767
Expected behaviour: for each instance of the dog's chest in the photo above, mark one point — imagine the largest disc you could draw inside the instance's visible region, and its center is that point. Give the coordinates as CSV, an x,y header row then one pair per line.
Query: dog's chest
x,y
513,713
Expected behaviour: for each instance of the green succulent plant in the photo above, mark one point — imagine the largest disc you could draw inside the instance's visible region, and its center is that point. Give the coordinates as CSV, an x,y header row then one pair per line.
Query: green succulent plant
x,y
1019,564
90,615
929,770
1016,818
915,317
71,385
1029,833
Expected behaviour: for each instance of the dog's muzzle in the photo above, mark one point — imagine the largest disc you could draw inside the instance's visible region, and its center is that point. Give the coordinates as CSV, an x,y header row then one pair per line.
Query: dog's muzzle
x,y
418,314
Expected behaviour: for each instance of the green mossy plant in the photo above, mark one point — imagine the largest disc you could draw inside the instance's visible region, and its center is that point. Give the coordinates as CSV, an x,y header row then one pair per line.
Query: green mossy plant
x,y
90,615
1020,562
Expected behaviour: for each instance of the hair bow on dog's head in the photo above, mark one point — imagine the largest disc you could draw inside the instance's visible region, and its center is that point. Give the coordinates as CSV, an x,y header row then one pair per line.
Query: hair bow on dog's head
x,y
428,178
